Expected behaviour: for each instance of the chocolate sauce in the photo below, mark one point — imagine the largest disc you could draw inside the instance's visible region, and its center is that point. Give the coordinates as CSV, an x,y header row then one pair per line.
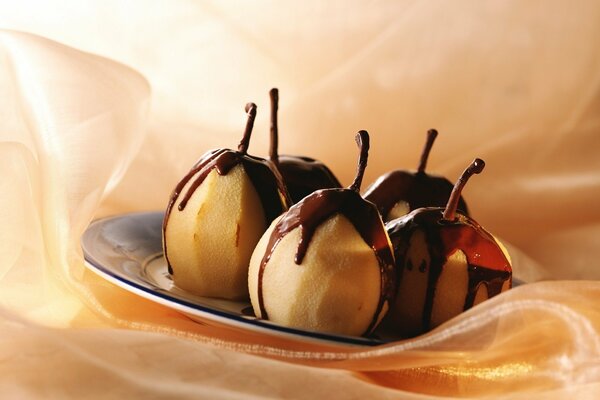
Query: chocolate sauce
x,y
301,175
317,208
486,262
321,205
266,180
418,188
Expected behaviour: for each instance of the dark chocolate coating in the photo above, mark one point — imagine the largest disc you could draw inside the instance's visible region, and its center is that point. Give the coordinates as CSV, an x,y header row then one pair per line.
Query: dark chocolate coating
x,y
264,177
304,175
487,264
418,189
314,210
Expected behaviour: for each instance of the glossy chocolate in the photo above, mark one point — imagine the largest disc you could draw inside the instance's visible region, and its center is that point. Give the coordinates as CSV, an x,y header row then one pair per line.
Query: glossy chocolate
x,y
321,205
301,175
446,232
418,188
304,175
486,262
266,180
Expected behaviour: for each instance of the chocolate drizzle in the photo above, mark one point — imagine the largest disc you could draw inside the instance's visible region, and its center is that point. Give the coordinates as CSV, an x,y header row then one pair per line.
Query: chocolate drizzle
x,y
301,175
418,189
266,180
321,205
486,263
447,232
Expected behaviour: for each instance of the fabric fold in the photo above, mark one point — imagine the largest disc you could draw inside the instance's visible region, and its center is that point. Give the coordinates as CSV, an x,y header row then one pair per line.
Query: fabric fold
x,y
515,84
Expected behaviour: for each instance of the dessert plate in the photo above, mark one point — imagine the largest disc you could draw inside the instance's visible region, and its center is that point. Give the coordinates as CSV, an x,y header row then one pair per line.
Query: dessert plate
x,y
127,250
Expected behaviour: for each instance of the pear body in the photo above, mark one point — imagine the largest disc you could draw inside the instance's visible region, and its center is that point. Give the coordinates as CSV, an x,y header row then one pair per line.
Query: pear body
x,y
336,288
211,240
444,269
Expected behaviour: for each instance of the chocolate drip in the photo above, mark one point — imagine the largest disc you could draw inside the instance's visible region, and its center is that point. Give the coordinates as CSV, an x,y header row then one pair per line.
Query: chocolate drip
x,y
222,162
264,178
314,210
417,189
492,279
205,159
486,262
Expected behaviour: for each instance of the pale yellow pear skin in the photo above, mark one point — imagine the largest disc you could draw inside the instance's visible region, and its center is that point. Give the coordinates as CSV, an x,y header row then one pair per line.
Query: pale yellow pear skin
x,y
335,289
210,242
450,294
400,209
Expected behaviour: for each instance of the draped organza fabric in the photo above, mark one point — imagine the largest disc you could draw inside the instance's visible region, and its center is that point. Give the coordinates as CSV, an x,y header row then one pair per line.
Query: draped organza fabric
x,y
82,136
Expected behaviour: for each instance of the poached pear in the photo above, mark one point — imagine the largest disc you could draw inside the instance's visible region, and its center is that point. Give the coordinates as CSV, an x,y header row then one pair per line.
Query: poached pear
x,y
396,193
301,175
216,215
327,263
446,263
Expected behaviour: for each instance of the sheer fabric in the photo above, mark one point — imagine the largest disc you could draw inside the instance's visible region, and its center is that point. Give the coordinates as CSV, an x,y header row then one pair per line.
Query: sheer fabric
x,y
83,136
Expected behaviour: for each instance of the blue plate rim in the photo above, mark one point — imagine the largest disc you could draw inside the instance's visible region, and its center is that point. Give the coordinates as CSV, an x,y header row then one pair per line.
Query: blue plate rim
x,y
95,265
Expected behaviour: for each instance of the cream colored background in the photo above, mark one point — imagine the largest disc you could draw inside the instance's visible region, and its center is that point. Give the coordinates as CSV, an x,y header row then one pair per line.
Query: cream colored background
x,y
515,83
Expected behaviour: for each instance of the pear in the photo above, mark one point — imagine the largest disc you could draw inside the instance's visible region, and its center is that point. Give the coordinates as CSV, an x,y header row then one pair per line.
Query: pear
x,y
215,217
326,264
446,263
301,175
396,193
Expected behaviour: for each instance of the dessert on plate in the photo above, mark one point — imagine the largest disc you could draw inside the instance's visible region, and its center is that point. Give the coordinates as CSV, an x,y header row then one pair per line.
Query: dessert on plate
x,y
329,263
216,215
326,264
446,262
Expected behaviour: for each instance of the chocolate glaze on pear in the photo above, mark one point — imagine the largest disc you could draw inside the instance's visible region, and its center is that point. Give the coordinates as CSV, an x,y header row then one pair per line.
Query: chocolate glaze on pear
x,y
418,189
447,232
266,179
301,175
317,208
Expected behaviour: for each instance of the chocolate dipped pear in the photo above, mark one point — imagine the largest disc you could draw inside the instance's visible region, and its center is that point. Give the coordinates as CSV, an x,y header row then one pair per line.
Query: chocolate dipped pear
x,y
446,262
396,193
326,264
216,215
301,175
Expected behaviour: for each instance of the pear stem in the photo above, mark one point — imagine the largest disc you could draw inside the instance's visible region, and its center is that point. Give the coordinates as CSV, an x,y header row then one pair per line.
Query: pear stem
x,y
431,135
362,140
475,168
251,111
273,154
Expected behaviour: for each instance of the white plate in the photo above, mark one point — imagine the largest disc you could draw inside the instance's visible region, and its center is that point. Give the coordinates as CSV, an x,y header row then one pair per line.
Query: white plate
x,y
127,250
